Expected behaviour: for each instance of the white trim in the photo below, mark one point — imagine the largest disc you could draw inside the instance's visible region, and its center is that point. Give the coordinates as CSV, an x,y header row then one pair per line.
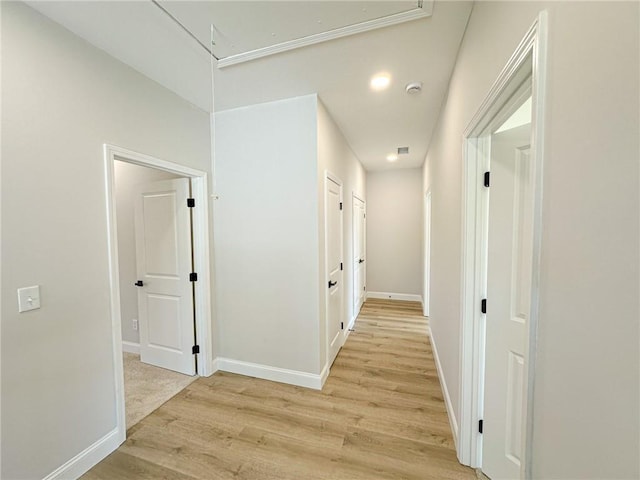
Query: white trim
x,y
426,287
201,261
419,12
324,375
407,297
89,457
352,322
275,374
474,247
356,308
130,347
215,366
453,422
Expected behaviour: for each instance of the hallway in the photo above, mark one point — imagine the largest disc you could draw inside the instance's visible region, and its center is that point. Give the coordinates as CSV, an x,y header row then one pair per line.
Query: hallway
x,y
380,415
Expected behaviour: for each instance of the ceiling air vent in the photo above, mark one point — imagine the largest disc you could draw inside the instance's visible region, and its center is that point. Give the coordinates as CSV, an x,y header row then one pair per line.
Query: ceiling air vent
x,y
403,150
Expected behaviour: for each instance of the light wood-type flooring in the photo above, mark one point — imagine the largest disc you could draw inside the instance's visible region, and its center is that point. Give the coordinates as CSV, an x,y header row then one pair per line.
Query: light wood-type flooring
x,y
380,415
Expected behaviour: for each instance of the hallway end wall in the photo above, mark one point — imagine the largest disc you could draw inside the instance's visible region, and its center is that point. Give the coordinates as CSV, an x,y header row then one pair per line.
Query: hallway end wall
x,y
394,234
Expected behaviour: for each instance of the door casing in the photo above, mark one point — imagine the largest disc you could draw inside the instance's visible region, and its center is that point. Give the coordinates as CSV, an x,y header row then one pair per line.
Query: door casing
x,y
200,226
427,254
528,62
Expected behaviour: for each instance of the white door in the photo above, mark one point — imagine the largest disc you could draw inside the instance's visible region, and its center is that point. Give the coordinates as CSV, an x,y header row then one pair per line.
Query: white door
x,y
510,247
335,285
427,254
358,261
164,263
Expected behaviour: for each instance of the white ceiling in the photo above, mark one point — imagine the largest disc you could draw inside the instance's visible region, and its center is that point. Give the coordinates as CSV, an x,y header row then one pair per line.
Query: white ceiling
x,y
374,123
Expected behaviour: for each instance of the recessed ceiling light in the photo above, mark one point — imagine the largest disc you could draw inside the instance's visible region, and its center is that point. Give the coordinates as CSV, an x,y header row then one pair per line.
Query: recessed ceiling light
x,y
392,157
380,81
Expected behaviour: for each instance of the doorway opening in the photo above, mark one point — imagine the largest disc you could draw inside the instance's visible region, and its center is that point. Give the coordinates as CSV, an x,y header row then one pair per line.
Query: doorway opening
x,y
502,175
162,256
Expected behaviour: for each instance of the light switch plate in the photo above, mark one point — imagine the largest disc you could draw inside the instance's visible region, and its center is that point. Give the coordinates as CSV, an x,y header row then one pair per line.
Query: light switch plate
x,y
28,298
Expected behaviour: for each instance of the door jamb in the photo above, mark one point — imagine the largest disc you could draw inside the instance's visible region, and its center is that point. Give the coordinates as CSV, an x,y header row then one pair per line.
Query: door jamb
x,y
474,251
354,196
200,226
426,297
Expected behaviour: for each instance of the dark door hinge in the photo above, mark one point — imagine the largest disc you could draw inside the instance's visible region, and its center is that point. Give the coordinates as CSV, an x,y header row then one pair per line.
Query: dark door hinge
x,y
483,305
487,179
341,325
341,267
193,277
480,425
195,349
340,205
191,202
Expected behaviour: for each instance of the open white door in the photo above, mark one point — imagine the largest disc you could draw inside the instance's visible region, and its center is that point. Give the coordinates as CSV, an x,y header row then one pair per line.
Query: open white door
x,y
333,232
358,261
509,268
164,265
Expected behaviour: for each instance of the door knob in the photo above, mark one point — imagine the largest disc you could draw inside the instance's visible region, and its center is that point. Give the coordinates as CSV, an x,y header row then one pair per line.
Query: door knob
x,y
332,284
139,283
361,261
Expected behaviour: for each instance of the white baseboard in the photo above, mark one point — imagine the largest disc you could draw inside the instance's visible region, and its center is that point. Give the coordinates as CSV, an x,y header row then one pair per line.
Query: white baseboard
x,y
324,375
89,457
351,324
395,296
445,392
130,347
215,366
275,374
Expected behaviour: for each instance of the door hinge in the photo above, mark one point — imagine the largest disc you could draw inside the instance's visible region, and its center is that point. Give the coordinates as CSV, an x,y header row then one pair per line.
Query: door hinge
x,y
193,277
340,205
341,325
341,266
480,426
483,305
195,349
487,179
191,202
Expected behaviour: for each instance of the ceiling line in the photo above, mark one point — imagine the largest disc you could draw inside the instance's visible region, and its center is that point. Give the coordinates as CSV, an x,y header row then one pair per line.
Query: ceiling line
x,y
157,4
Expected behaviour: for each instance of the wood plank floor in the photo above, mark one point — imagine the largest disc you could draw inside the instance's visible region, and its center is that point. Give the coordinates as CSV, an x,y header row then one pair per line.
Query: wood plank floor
x,y
380,415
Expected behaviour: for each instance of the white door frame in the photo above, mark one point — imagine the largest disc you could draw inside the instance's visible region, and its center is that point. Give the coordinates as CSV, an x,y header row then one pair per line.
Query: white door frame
x,y
528,61
427,254
200,228
357,196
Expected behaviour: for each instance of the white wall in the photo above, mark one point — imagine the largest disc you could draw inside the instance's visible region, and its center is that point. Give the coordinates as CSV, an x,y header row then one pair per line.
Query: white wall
x,y
266,235
335,156
394,232
61,101
127,177
587,381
